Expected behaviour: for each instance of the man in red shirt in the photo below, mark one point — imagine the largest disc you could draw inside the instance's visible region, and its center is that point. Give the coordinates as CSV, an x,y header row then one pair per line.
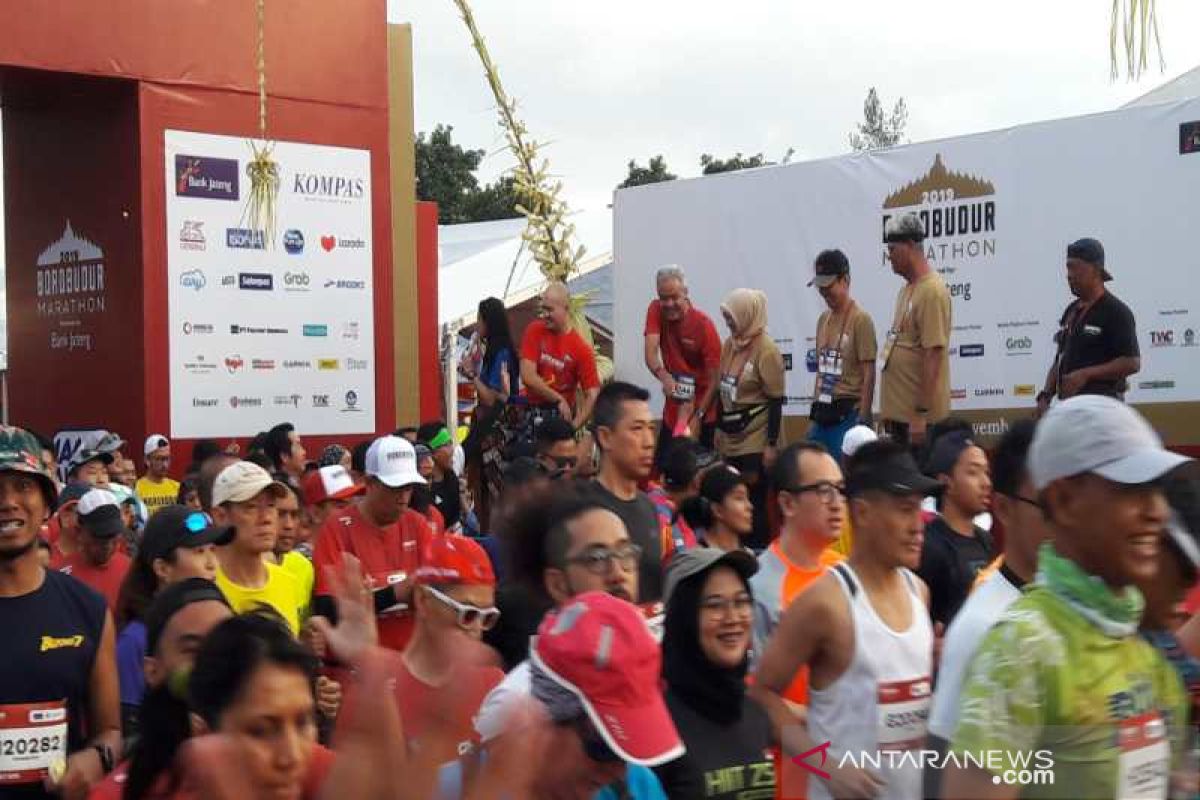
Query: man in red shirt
x,y
384,534
690,361
455,597
99,563
556,360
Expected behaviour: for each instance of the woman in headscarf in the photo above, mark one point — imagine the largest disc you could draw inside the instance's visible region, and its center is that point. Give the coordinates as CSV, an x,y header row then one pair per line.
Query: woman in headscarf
x,y
752,395
706,651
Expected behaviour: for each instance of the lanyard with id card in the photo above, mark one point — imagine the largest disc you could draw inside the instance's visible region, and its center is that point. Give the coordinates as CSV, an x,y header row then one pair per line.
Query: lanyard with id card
x,y
894,334
830,362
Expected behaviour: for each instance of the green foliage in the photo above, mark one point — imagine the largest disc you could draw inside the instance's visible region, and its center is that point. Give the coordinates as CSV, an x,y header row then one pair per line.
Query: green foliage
x,y
638,175
446,175
711,166
878,129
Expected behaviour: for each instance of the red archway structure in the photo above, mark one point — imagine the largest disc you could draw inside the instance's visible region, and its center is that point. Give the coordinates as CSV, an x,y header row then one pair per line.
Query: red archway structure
x,y
88,90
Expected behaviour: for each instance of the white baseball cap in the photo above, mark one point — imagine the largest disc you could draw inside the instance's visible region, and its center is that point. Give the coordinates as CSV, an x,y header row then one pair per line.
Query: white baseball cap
x,y
155,441
393,461
242,481
1092,433
855,438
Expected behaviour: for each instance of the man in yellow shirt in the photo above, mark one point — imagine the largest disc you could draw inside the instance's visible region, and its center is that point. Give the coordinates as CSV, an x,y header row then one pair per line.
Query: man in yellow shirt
x,y
156,489
245,496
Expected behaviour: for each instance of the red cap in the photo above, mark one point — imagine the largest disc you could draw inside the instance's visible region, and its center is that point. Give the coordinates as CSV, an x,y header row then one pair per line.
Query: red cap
x,y
599,648
328,483
455,560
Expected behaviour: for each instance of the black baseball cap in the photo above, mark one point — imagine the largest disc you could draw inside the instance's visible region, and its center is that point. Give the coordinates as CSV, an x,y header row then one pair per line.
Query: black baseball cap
x,y
72,493
896,474
829,266
1091,251
177,526
100,514
173,599
946,452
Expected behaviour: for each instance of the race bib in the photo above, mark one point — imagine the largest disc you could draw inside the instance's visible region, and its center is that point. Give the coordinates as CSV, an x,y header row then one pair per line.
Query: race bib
x,y
1144,764
685,388
33,736
825,384
903,713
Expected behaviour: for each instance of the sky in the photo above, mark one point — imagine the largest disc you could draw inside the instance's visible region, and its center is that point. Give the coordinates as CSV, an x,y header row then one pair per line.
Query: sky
x,y
607,82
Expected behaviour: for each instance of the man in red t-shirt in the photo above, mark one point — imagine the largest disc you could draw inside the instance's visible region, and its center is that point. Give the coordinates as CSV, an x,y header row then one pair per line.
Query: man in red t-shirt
x,y
556,360
455,601
384,534
690,361
99,563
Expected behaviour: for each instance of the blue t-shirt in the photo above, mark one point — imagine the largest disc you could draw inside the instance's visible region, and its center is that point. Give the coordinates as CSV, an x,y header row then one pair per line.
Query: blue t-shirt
x,y
131,652
490,374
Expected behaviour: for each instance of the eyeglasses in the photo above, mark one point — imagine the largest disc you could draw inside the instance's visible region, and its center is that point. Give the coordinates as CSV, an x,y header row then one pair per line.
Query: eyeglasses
x,y
469,615
594,746
197,521
740,606
827,491
597,560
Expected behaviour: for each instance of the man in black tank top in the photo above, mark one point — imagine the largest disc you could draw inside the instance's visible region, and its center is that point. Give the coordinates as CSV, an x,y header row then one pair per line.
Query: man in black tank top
x,y
59,703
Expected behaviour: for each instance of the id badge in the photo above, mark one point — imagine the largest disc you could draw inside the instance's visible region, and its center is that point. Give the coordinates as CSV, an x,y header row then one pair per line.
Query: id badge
x,y
889,345
685,388
830,362
825,384
729,390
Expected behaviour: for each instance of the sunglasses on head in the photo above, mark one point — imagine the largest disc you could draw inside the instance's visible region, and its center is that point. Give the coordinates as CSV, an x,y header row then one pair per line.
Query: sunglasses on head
x,y
468,615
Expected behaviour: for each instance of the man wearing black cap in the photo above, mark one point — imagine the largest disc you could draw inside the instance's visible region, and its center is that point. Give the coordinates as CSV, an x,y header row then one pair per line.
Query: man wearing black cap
x,y
99,563
844,358
915,360
864,634
1097,336
955,548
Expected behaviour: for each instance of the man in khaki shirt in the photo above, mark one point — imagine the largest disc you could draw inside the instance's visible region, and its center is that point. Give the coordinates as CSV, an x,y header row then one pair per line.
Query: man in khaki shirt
x,y
915,358
843,357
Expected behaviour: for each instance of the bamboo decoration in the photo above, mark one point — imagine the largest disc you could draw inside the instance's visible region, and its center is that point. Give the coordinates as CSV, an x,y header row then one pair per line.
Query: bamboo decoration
x,y
263,171
1134,28
548,234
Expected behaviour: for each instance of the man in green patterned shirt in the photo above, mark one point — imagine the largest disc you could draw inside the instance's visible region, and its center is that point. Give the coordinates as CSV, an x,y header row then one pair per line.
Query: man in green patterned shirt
x,y
1063,676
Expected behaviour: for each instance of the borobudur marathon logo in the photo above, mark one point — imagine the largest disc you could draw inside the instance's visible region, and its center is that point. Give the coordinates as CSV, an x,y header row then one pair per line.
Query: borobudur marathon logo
x,y
958,212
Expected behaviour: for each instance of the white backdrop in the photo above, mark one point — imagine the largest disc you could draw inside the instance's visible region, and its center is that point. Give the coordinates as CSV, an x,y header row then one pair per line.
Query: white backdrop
x,y
262,332
1121,177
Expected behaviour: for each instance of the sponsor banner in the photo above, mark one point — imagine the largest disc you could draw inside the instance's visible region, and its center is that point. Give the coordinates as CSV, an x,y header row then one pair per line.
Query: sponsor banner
x,y
262,327
991,206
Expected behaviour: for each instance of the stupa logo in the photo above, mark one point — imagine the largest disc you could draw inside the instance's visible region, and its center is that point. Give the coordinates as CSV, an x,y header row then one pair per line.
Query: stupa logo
x,y
70,278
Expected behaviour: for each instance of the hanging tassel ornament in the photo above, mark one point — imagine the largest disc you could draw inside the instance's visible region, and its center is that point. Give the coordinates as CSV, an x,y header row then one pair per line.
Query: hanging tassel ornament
x,y
261,205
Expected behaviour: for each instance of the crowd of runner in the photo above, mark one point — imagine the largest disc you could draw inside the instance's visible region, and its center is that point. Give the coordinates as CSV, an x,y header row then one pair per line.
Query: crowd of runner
x,y
580,601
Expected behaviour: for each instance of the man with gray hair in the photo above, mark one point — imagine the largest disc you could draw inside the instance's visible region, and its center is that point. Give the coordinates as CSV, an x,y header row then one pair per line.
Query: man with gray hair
x,y
916,358
556,361
683,351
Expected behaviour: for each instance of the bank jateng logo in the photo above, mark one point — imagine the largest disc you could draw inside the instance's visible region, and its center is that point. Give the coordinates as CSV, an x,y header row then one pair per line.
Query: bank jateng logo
x,y
202,176
1008,767
959,215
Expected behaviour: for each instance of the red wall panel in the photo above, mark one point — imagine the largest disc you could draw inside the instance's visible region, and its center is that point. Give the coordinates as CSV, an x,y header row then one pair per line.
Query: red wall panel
x,y
429,330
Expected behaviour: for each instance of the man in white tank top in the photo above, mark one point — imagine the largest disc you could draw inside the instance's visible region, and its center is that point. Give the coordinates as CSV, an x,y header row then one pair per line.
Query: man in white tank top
x,y
863,631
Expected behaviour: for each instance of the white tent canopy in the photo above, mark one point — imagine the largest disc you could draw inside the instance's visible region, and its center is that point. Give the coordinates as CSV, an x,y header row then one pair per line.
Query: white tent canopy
x,y
475,260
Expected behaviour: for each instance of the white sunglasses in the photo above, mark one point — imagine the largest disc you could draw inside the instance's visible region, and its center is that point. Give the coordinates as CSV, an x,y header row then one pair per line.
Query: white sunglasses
x,y
468,615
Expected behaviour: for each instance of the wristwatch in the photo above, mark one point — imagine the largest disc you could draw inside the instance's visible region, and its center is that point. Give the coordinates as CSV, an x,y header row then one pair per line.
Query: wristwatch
x,y
106,757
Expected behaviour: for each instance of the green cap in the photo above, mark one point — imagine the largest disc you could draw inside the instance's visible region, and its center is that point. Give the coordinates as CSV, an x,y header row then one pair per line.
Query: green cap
x,y
20,451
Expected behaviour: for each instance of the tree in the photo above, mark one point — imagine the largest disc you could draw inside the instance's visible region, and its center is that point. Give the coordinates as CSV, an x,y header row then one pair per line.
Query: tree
x,y
711,166
656,172
878,129
446,175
